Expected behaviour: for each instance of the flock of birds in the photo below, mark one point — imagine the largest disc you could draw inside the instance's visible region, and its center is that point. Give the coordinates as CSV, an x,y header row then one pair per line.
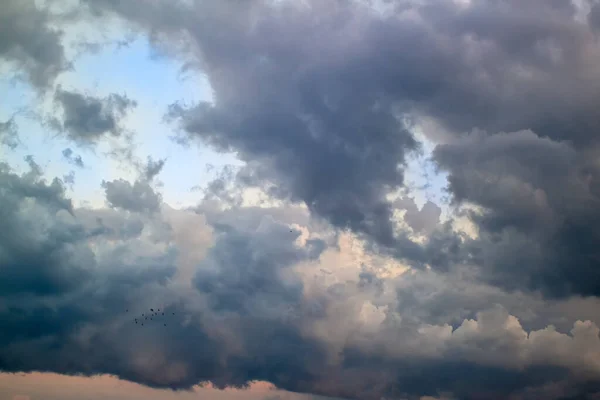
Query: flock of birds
x,y
153,314
149,317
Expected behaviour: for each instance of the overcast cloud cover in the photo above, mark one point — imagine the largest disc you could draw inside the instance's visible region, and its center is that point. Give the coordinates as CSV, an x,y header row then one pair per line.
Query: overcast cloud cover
x,y
310,258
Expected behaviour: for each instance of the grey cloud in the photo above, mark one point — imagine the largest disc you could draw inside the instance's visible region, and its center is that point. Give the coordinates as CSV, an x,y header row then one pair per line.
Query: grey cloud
x,y
112,223
72,159
424,220
139,197
312,96
247,314
62,275
8,134
242,273
153,168
28,42
69,178
87,118
296,115
31,186
35,258
594,17
540,203
438,299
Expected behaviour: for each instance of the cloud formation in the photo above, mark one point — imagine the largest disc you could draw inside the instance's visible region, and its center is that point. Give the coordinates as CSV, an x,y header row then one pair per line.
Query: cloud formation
x,y
29,43
87,118
250,313
324,289
540,213
286,79
8,134
72,159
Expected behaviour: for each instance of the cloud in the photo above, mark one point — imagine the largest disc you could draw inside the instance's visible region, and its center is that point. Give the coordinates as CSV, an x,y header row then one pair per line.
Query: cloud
x,y
139,197
321,100
249,312
424,220
539,216
75,160
87,118
324,118
8,134
594,17
153,168
29,43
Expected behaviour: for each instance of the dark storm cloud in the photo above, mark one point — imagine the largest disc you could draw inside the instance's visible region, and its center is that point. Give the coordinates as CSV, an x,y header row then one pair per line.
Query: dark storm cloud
x,y
60,274
29,44
313,95
87,118
243,274
36,259
72,159
65,284
247,315
137,197
594,17
296,114
541,210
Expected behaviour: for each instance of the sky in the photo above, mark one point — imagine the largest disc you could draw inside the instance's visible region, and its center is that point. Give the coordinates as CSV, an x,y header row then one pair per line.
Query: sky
x,y
288,200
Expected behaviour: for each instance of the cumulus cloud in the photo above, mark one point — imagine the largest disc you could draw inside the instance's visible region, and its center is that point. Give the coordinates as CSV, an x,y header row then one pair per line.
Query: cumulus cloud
x,y
137,197
250,313
87,118
540,213
287,101
29,43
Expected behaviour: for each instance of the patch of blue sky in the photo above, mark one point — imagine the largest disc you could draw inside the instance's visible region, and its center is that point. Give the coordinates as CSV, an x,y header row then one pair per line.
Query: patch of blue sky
x,y
34,139
154,83
421,177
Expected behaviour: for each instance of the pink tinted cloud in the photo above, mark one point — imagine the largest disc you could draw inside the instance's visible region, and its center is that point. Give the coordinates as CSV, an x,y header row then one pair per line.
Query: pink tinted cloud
x,y
46,386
